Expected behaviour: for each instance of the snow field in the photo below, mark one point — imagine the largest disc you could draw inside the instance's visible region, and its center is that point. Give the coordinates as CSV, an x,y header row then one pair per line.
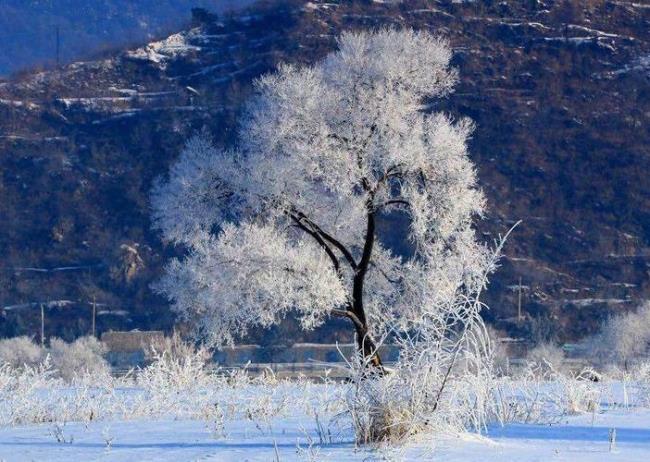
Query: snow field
x,y
175,410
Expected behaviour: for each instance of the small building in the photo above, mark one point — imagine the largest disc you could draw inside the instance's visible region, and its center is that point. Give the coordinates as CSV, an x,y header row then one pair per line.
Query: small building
x,y
128,349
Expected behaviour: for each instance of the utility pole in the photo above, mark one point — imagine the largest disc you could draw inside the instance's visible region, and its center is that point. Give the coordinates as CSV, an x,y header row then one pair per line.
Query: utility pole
x,y
58,46
94,331
42,326
519,302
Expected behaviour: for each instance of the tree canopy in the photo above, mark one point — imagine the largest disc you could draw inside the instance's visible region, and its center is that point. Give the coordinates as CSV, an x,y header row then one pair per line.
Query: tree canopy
x,y
286,220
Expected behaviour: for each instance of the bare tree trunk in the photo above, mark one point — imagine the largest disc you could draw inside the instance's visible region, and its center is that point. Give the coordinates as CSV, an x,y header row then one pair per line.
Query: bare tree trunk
x,y
365,344
355,311
367,348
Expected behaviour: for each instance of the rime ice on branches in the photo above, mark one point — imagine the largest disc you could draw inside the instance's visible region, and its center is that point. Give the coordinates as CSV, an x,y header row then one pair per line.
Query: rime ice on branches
x,y
285,221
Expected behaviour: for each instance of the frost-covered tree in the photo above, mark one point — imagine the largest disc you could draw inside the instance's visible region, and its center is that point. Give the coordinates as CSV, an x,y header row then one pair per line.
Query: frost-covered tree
x,y
623,338
286,221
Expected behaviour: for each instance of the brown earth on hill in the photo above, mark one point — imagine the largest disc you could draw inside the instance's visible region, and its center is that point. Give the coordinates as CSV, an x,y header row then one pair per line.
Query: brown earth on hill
x,y
560,92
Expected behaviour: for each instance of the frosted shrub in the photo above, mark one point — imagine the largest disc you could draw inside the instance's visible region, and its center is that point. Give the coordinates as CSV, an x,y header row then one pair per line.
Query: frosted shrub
x,y
83,357
71,361
500,355
643,377
175,364
179,384
542,396
623,339
32,393
177,375
371,406
431,389
521,399
442,381
21,401
20,351
548,358
637,383
578,393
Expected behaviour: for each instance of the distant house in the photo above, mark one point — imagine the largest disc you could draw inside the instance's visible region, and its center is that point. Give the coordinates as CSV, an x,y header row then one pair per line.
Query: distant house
x,y
127,349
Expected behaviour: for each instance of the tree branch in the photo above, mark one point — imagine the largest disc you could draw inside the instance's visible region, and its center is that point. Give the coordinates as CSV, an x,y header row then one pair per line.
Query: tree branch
x,y
321,242
395,201
391,172
351,316
299,216
370,235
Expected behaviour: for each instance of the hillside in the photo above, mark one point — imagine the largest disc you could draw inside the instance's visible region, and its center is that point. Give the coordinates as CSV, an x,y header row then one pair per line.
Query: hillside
x,y
28,28
560,92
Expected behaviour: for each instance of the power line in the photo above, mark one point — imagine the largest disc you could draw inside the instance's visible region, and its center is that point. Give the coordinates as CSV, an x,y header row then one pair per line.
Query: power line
x,y
31,269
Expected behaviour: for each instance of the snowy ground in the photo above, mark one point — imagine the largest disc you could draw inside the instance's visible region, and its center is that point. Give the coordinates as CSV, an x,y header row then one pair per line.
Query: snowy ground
x,y
575,439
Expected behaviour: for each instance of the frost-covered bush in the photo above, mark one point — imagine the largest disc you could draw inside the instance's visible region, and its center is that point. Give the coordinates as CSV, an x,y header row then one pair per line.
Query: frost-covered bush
x,y
579,393
537,395
21,393
624,339
547,357
442,380
500,355
175,364
177,375
429,390
20,351
35,395
83,357
520,398
642,376
176,349
32,393
546,389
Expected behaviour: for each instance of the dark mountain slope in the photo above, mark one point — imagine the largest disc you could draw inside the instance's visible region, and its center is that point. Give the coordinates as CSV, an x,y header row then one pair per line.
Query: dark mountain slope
x,y
560,92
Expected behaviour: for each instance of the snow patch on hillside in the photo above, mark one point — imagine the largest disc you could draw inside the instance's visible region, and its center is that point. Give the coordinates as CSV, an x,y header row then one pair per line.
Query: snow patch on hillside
x,y
163,50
